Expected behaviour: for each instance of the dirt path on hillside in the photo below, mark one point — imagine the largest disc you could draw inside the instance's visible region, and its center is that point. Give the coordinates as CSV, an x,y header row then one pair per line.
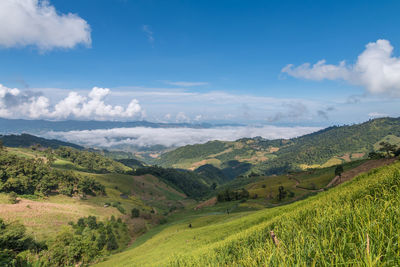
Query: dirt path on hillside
x,y
297,183
347,175
207,203
365,167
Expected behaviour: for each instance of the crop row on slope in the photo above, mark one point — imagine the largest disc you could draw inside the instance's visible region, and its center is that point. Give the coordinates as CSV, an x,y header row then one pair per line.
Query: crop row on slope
x,y
354,224
328,229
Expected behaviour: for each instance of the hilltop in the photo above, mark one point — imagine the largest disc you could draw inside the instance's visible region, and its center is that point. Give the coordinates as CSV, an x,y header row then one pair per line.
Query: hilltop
x,y
27,140
327,147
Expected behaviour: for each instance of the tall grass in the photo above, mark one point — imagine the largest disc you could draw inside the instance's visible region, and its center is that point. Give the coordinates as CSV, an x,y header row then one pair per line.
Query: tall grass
x,y
329,229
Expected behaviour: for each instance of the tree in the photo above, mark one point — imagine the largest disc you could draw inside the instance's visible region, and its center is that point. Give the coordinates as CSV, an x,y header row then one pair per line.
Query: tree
x,y
375,155
282,193
111,242
213,186
135,213
387,148
339,171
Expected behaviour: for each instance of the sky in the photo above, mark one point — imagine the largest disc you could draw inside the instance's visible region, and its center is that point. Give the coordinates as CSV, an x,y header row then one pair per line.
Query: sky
x,y
282,63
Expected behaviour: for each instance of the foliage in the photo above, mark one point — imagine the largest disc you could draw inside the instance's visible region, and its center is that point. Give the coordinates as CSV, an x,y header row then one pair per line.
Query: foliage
x,y
84,242
190,183
287,155
388,148
132,163
213,173
329,229
91,161
27,140
14,240
339,170
135,213
12,198
229,195
33,176
375,155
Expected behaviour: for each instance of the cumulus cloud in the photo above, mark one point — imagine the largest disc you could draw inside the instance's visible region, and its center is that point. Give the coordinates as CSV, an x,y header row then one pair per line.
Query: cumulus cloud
x,y
181,117
173,137
37,23
18,104
376,69
186,84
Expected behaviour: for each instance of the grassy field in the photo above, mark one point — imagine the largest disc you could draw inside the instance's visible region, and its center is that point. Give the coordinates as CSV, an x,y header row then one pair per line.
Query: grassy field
x,y
355,224
45,216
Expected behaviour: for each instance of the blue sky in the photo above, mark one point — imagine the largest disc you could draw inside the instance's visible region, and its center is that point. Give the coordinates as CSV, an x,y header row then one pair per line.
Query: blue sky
x,y
208,61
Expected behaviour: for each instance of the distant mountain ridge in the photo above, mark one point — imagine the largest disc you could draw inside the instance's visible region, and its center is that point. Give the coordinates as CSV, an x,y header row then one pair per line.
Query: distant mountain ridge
x,y
327,147
27,140
12,126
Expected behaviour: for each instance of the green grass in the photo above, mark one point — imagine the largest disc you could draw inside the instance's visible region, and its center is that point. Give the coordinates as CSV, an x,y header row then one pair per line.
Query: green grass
x,y
392,139
327,229
43,217
319,178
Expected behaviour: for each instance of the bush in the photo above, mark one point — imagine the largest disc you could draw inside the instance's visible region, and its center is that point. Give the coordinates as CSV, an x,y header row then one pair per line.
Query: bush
x,y
12,198
135,213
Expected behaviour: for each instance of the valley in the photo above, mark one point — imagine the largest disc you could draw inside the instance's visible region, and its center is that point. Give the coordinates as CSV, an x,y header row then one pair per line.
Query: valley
x,y
176,216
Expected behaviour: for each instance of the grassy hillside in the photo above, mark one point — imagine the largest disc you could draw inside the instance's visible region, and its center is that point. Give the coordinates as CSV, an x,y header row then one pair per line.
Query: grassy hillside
x,y
355,222
27,140
43,215
328,147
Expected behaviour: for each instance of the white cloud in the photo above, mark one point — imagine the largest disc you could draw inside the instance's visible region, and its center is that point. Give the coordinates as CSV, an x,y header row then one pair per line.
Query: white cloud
x,y
186,84
17,104
181,117
377,115
37,23
172,137
376,69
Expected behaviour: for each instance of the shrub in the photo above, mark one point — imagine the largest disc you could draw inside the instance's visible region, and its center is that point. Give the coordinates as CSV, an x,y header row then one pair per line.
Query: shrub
x,y
135,213
12,198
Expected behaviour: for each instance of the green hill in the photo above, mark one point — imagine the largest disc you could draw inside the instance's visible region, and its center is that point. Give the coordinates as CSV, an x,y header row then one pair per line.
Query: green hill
x,y
57,196
355,222
27,140
328,147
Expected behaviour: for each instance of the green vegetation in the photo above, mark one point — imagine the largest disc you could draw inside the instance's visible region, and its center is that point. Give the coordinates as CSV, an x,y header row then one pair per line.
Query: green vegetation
x,y
229,195
133,163
356,222
213,173
33,176
192,184
13,241
91,161
27,140
331,146
82,243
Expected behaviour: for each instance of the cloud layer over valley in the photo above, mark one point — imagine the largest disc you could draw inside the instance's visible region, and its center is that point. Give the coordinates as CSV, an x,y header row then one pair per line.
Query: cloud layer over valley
x,y
172,137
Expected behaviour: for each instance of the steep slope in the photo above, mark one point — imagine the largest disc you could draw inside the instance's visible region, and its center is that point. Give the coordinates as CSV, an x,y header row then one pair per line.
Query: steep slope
x,y
356,222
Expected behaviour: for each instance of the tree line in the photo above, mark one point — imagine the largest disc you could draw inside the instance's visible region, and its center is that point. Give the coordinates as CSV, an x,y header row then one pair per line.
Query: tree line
x,y
26,176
